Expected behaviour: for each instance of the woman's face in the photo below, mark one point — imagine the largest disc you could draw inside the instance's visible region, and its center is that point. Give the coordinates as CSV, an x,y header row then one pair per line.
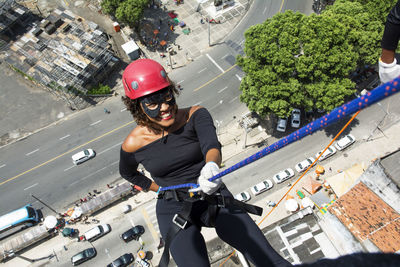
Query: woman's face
x,y
160,107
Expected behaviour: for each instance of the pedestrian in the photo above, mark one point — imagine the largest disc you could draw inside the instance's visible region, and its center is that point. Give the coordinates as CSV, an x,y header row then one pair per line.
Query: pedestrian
x,y
179,87
330,169
160,21
179,47
180,145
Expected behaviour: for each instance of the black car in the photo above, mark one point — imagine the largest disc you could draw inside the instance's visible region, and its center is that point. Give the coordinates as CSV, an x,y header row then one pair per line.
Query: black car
x,y
83,256
133,233
122,261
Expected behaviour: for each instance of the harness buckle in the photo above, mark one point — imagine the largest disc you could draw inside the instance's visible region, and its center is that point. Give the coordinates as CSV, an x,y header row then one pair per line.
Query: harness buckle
x,y
179,221
220,200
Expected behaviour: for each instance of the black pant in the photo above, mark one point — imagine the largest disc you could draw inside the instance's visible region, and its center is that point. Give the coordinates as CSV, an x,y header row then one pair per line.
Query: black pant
x,y
233,226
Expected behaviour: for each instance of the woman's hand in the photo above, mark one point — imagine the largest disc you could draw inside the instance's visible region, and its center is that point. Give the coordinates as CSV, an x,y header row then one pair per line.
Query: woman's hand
x,y
208,187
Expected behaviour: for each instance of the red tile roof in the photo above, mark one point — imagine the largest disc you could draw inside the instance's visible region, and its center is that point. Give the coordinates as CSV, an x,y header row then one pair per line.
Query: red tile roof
x,y
368,217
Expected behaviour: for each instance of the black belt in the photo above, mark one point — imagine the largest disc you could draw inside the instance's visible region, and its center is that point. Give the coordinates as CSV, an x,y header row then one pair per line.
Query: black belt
x,y
180,220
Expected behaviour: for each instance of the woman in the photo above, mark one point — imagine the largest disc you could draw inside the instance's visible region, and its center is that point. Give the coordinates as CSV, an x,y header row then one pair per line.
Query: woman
x,y
180,146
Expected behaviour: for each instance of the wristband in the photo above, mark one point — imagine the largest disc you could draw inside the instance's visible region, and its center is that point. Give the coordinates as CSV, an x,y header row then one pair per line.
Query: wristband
x,y
158,191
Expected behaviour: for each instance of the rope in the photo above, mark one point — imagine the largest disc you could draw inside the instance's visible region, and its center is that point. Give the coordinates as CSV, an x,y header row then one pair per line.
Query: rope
x,y
379,93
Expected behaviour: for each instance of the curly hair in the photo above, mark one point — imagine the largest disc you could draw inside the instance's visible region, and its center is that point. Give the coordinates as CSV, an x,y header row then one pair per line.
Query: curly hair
x,y
134,107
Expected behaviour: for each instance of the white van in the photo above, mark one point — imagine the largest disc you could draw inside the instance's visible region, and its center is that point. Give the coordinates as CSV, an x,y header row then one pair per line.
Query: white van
x,y
83,156
97,232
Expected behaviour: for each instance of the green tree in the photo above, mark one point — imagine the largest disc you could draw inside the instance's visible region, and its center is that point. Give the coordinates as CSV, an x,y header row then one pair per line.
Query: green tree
x,y
294,61
110,6
131,12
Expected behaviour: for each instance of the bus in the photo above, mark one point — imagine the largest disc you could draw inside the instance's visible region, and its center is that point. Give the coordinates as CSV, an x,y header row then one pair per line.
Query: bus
x,y
26,216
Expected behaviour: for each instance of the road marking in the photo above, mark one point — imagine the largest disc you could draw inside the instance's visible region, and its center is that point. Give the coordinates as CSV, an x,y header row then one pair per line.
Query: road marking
x,y
181,81
197,104
200,71
216,77
69,168
150,225
265,10
239,78
241,42
69,151
220,102
220,91
233,99
224,56
111,147
61,138
280,9
2,165
122,110
215,63
96,122
30,186
99,170
30,153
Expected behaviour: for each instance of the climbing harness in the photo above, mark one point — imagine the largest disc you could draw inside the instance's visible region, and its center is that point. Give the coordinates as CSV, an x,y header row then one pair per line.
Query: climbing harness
x,y
183,219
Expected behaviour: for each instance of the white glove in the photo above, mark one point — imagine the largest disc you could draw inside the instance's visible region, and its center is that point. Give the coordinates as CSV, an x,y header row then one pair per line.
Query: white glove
x,y
388,72
209,170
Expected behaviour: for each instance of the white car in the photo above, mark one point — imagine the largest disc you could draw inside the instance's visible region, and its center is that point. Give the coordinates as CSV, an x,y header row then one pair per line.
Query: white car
x,y
283,175
302,166
295,118
261,187
329,152
97,232
281,127
345,142
83,156
243,196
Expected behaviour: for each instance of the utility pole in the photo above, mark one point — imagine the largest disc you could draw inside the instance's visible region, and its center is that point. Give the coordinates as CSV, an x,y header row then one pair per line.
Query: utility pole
x,y
209,34
170,50
46,205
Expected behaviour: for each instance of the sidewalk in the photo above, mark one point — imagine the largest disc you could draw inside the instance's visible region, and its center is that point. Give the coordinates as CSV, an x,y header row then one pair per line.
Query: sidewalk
x,y
190,41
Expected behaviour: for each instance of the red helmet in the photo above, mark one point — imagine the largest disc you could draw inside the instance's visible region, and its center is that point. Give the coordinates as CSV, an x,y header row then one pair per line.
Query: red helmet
x,y
143,77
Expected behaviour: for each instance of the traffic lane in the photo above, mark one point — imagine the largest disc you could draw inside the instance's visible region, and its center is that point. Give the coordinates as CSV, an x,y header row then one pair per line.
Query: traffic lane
x,y
266,167
50,143
61,178
110,246
302,6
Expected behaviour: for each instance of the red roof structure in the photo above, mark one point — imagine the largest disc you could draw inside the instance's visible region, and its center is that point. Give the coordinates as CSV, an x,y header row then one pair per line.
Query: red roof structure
x,y
368,217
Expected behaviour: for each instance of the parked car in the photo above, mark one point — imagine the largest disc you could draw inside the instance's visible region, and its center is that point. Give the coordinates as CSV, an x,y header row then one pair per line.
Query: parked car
x,y
295,118
122,261
302,166
97,232
329,152
243,196
345,142
281,127
83,256
261,187
283,175
83,156
133,233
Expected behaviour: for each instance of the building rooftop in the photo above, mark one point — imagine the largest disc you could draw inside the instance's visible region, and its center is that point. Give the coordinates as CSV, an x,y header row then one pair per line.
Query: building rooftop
x,y
367,216
63,51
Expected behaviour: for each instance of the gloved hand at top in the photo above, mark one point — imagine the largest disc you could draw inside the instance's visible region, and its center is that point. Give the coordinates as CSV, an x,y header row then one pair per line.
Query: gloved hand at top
x,y
209,170
388,72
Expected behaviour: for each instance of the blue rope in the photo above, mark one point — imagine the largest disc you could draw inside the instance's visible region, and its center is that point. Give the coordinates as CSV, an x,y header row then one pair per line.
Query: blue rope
x,y
379,93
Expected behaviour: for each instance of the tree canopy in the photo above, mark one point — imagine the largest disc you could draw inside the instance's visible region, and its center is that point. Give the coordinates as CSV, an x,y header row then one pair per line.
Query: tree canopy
x,y
127,11
297,61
